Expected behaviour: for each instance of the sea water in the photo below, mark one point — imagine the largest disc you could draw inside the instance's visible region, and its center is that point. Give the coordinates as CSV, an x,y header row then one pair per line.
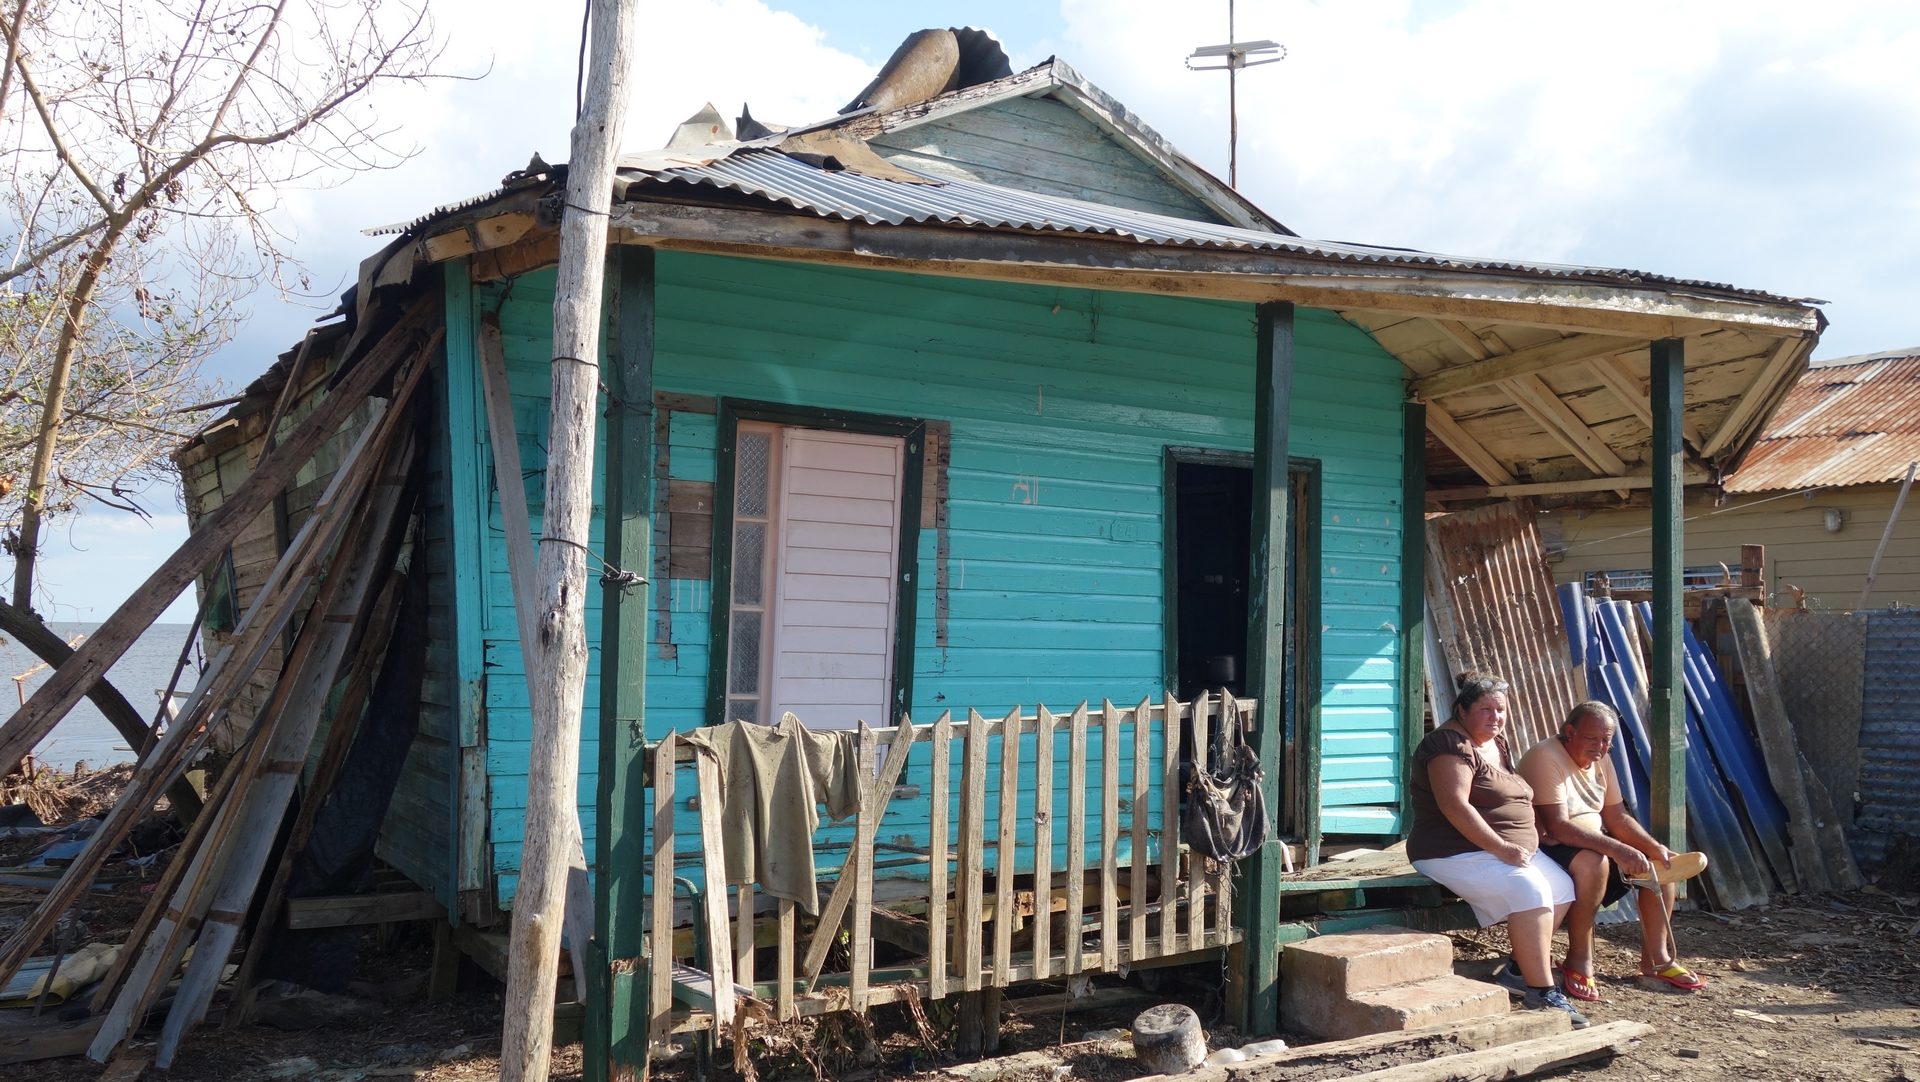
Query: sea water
x,y
84,735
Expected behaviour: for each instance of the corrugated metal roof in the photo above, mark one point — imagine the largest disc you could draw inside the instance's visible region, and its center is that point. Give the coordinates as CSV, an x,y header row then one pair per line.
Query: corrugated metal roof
x,y
1889,733
852,196
1494,597
1856,424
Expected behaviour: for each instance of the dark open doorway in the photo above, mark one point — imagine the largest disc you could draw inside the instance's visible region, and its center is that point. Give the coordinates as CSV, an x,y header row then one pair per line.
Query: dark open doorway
x,y
1212,556
1209,551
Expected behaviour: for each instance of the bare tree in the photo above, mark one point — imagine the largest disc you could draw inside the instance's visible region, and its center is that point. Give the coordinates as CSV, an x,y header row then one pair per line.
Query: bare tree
x,y
149,142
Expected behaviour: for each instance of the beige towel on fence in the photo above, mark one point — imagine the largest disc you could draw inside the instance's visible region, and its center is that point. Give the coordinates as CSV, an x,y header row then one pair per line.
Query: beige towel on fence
x,y
773,778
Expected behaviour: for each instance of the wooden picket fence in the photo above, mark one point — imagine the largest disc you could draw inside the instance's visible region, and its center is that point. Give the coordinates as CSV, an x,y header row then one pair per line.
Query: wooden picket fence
x,y
1093,906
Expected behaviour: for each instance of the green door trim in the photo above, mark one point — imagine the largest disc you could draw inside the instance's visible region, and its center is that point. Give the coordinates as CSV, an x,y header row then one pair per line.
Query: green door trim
x,y
913,431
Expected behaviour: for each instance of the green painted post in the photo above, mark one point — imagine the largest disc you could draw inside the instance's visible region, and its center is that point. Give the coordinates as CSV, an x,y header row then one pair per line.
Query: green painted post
x,y
1413,595
1667,699
1267,650
616,1019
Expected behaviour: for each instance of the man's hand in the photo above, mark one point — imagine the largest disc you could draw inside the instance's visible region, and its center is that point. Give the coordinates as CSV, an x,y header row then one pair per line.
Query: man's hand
x,y
1633,863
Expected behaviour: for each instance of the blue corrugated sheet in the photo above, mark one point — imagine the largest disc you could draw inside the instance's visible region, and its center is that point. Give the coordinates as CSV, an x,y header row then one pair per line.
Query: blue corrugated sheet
x,y
1733,814
1889,734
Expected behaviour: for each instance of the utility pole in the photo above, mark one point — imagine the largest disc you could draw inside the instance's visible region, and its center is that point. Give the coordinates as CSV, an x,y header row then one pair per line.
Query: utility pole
x,y
558,653
1233,56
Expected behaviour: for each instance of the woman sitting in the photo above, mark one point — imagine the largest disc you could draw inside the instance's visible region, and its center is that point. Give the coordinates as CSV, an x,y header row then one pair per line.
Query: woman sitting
x,y
1474,833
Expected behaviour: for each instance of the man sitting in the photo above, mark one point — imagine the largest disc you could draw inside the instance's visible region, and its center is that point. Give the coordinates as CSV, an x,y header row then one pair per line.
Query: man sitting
x,y
1577,801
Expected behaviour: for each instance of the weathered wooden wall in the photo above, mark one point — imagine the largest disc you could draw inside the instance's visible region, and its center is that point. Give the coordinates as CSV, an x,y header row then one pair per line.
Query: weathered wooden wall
x,y
1830,567
1059,406
1037,145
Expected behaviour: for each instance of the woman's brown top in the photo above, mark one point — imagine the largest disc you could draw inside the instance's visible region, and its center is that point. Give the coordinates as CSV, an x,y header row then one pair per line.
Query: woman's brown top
x,y
1499,794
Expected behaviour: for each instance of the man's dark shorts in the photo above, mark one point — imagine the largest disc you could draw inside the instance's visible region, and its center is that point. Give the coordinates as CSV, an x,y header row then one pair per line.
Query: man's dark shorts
x,y
1616,887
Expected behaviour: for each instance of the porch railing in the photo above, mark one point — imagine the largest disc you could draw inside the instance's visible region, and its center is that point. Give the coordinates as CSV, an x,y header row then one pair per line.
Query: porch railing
x,y
1009,893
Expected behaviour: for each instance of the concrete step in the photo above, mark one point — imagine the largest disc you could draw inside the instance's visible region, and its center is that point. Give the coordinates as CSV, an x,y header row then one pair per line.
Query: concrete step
x,y
1429,1002
1353,962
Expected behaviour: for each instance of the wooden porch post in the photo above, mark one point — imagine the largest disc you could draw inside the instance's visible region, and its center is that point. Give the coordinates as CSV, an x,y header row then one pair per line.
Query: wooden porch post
x,y
616,1022
1413,594
1668,702
1267,650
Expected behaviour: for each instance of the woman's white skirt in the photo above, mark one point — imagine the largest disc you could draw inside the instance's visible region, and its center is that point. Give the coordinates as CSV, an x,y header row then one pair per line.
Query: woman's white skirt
x,y
1496,889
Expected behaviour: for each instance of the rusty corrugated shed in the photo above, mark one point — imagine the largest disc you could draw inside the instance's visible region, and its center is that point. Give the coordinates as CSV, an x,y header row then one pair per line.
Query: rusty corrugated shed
x,y
1842,424
1494,601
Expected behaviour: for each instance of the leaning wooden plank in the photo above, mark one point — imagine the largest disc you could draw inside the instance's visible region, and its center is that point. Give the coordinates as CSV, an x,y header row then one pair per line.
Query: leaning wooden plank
x,y
1137,814
1043,844
517,524
1170,827
1006,846
1519,1060
272,608
350,589
1109,836
1810,813
660,902
371,649
1076,837
836,906
713,857
1473,1034
937,853
71,681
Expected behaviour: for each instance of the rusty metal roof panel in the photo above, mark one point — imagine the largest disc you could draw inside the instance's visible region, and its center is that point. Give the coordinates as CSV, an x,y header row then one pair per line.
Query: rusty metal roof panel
x,y
1855,424
851,196
1494,602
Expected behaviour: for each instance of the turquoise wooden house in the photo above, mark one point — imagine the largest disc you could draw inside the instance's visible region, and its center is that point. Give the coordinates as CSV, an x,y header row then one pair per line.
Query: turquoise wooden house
x,y
994,412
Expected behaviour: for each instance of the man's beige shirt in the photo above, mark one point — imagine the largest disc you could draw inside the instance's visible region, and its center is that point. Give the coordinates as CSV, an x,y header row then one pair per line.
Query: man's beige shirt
x,y
1556,780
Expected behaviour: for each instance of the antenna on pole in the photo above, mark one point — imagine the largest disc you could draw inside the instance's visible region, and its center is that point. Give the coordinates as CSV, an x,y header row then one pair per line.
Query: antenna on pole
x,y
1231,57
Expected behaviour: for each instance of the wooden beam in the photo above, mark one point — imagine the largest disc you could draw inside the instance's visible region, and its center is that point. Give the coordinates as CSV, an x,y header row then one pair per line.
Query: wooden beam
x,y
1782,368
1463,336
1515,1060
1449,432
1521,362
1085,262
1267,651
1413,590
614,1038
1613,375
1667,704
348,910
1554,488
1564,426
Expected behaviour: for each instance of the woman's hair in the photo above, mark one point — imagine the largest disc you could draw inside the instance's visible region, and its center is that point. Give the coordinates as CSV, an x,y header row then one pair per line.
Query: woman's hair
x,y
1592,708
1474,686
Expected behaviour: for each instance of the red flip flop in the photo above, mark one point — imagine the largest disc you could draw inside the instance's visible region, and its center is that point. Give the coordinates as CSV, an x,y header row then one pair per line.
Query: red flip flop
x,y
1679,976
1579,986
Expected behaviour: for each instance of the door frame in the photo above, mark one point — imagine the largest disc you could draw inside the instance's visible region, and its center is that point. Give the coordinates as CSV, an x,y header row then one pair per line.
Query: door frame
x,y
1299,814
728,414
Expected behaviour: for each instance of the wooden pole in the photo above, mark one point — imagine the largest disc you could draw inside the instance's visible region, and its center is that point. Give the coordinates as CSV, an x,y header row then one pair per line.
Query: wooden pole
x,y
1413,592
559,653
1667,697
616,1029
1267,651
1899,502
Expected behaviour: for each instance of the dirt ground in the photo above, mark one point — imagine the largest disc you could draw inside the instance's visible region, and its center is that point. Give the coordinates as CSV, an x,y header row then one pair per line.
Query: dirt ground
x,y
1810,988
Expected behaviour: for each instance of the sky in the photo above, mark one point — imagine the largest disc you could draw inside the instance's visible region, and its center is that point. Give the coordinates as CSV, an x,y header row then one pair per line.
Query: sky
x,y
1778,150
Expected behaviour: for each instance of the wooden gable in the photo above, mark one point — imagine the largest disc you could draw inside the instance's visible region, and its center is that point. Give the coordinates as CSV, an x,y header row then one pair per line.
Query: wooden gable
x,y
1040,145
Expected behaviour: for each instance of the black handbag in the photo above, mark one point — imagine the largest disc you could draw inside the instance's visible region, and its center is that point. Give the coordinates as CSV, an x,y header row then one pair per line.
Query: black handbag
x,y
1225,817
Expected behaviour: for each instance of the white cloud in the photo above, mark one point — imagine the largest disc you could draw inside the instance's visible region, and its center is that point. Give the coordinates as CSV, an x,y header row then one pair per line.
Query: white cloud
x,y
1773,149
